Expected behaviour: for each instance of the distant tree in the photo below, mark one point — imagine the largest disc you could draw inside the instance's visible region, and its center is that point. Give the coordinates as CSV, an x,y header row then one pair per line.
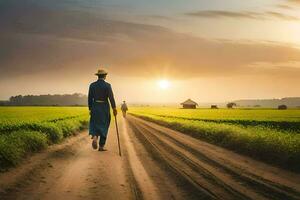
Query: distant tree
x,y
231,105
16,99
214,107
4,103
282,107
49,100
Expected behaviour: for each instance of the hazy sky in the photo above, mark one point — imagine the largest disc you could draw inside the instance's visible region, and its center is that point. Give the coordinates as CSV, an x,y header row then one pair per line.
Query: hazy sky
x,y
209,50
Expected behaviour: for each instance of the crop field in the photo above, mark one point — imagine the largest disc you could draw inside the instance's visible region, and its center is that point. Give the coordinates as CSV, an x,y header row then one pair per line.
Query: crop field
x,y
30,129
269,135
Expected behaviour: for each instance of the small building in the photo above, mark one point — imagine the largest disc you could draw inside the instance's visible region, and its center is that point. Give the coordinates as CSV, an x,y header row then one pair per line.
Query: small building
x,y
282,107
189,104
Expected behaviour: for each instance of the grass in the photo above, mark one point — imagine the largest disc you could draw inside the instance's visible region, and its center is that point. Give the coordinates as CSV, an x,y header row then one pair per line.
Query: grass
x,y
16,145
231,129
31,129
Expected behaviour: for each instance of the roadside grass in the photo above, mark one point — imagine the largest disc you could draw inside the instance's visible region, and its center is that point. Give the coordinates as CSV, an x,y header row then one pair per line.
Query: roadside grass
x,y
14,146
278,147
293,126
36,130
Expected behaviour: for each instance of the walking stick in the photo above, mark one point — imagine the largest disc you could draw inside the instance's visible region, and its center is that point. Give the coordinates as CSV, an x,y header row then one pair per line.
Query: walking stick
x,y
118,136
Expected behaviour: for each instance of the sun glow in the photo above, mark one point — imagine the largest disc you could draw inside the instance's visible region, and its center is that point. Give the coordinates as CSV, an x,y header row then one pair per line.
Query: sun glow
x,y
164,84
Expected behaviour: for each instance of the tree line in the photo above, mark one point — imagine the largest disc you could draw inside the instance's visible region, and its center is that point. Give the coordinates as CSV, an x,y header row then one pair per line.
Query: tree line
x,y
75,99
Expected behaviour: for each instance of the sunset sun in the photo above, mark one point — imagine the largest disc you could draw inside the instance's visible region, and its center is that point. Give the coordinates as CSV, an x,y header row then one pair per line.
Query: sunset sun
x,y
163,84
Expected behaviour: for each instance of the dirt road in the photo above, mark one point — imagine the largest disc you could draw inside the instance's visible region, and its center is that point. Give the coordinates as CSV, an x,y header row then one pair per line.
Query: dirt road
x,y
157,163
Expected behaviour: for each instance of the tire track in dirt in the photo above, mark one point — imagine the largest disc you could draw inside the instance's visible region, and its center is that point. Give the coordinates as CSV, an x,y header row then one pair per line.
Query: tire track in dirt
x,y
167,184
144,183
194,177
222,178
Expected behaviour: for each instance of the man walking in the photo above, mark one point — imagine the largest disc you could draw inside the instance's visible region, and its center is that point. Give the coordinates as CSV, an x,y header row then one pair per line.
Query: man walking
x,y
124,108
100,92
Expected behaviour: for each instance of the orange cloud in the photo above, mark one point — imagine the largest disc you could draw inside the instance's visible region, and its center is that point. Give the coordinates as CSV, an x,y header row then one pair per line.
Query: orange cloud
x,y
241,14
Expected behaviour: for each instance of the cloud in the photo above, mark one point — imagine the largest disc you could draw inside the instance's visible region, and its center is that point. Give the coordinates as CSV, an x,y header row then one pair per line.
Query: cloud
x,y
160,17
241,15
293,1
54,43
281,16
289,4
284,6
224,13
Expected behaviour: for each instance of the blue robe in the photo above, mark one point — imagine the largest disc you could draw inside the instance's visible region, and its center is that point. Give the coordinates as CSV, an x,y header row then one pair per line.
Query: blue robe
x,y
100,92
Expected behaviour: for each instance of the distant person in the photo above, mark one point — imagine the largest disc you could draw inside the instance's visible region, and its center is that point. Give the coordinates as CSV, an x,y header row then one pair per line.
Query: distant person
x,y
124,108
100,92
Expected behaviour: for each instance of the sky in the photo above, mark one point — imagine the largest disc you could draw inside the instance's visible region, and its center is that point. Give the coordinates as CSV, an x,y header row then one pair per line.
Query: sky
x,y
207,50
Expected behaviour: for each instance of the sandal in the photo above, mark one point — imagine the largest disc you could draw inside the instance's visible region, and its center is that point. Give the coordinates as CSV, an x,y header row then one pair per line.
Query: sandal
x,y
94,144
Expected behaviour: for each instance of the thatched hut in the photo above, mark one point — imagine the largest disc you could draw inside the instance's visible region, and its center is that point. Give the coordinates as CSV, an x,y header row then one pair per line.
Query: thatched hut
x,y
189,104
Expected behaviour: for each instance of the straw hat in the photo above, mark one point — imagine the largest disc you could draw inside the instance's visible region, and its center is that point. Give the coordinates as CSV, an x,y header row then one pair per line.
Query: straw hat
x,y
101,72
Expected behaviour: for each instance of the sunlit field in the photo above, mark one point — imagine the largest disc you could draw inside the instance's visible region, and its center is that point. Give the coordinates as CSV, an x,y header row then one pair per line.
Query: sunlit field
x,y
224,114
30,129
39,113
270,135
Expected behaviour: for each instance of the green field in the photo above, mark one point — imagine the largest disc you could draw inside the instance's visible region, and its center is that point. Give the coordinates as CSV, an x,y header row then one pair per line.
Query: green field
x,y
30,129
269,135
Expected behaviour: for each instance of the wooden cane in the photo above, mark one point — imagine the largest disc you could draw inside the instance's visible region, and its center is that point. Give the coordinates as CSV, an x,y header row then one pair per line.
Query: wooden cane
x,y
118,136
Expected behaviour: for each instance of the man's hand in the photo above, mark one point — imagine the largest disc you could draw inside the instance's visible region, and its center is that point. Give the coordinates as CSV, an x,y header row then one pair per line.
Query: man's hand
x,y
115,112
